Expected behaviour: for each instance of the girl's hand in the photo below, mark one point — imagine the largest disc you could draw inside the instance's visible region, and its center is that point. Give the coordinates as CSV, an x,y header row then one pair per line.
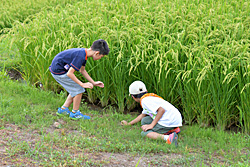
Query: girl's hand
x,y
99,83
146,127
124,122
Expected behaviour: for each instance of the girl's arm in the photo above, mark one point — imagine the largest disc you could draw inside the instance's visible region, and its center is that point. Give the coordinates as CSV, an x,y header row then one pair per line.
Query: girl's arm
x,y
137,119
158,116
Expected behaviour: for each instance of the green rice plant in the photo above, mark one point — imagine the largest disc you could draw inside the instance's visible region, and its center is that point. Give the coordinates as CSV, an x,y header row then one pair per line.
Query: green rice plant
x,y
196,101
9,57
223,101
17,10
36,53
244,97
113,73
187,52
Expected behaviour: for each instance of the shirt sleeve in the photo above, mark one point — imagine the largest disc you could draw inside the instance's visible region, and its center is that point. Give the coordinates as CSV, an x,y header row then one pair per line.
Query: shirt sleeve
x,y
150,105
78,60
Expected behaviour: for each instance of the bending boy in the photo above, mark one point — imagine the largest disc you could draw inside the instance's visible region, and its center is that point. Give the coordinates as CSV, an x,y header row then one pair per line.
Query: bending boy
x,y
159,118
63,67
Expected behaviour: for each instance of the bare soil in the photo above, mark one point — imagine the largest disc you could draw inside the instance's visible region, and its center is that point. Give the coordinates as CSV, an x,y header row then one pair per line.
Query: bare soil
x,y
14,74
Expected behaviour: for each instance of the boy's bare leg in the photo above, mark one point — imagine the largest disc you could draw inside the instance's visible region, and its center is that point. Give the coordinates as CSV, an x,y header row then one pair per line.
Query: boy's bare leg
x,y
68,101
154,135
76,101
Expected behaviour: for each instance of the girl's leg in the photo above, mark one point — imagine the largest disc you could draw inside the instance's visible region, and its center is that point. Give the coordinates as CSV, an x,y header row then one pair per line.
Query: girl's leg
x,y
154,135
146,120
172,138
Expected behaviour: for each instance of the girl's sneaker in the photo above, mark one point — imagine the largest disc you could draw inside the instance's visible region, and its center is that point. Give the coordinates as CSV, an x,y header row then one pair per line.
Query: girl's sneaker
x,y
172,138
78,115
176,130
63,111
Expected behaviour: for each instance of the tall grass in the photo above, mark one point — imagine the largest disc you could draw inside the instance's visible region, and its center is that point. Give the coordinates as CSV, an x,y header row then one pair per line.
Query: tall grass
x,y
195,54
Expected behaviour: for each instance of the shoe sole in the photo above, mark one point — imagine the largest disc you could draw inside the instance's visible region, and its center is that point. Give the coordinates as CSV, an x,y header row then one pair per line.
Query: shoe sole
x,y
61,114
75,118
79,118
175,139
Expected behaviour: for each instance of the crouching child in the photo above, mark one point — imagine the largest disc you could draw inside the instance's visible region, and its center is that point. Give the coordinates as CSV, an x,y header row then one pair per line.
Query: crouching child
x,y
159,118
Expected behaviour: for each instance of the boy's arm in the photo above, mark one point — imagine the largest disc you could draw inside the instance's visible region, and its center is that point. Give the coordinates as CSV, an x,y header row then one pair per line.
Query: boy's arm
x,y
137,119
71,75
158,116
86,75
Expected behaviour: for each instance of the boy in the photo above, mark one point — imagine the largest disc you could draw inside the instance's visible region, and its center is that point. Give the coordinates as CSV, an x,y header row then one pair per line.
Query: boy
x,y
63,67
159,118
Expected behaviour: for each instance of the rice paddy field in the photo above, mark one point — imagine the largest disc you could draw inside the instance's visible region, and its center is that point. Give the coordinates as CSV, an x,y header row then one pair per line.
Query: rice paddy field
x,y
195,54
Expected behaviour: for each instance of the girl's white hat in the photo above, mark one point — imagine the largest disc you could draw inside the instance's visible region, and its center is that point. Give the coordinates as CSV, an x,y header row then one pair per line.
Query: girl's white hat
x,y
137,87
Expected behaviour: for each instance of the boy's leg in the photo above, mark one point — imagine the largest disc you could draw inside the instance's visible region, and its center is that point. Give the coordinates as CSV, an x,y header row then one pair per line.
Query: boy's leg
x,y
76,114
68,101
64,110
75,95
77,101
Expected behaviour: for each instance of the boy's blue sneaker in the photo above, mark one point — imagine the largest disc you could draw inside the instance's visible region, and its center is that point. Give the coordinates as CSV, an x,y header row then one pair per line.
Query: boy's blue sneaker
x,y
78,115
63,111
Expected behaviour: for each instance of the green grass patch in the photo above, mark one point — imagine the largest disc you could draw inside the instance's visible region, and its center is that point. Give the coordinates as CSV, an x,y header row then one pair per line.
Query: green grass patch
x,y
27,116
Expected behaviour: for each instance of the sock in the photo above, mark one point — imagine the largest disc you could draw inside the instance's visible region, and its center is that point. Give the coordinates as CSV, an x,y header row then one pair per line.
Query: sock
x,y
74,111
63,107
166,137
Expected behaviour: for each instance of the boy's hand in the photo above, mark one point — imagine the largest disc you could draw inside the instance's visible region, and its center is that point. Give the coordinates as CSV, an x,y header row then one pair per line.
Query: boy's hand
x,y
99,83
87,85
146,127
124,122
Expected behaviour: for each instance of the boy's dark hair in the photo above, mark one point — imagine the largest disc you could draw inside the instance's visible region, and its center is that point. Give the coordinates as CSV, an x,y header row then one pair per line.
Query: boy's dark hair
x,y
101,46
140,95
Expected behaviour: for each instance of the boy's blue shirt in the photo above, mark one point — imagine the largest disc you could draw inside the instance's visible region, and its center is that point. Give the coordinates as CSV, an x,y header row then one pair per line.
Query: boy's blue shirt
x,y
75,58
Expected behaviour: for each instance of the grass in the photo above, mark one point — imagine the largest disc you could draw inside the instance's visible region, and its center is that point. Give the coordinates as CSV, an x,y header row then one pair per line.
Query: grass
x,y
27,115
